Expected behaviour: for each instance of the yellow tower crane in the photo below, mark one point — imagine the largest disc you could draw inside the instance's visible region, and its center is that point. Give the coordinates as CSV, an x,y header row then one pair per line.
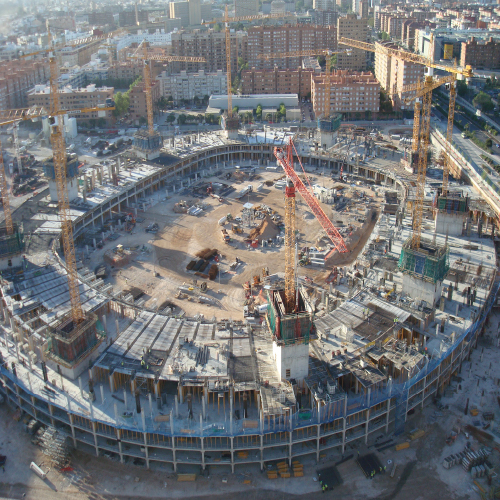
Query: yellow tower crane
x,y
305,53
421,124
59,156
226,20
147,58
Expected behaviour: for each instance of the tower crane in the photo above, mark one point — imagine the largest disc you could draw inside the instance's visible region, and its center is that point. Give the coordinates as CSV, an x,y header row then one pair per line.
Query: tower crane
x,y
422,117
142,53
306,53
59,157
226,20
293,184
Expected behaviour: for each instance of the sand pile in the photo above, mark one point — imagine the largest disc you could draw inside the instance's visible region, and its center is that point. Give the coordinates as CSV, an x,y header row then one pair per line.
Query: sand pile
x,y
267,230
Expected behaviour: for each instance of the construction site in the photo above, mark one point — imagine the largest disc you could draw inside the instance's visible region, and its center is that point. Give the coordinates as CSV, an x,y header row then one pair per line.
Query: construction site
x,y
255,307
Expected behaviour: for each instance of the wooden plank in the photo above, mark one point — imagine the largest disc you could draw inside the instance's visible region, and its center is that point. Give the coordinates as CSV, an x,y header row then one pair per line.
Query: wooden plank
x,y
402,446
250,424
186,477
298,474
285,474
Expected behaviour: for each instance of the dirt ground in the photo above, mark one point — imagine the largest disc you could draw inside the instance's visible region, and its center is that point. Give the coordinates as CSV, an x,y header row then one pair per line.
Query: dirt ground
x,y
181,236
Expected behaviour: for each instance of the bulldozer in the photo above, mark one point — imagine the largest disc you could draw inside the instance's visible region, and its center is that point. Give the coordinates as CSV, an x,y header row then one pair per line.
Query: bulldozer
x,y
237,229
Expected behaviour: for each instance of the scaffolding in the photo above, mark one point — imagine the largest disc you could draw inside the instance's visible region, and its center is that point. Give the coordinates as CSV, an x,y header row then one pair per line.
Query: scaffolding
x,y
72,163
69,343
429,262
11,244
292,328
331,124
452,205
147,143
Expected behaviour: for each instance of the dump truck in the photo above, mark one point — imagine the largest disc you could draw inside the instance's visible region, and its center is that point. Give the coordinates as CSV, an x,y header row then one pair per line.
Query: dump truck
x,y
225,236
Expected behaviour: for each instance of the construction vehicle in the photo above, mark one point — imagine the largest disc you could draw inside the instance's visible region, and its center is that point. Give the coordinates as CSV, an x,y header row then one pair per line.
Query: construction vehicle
x,y
237,229
421,123
225,236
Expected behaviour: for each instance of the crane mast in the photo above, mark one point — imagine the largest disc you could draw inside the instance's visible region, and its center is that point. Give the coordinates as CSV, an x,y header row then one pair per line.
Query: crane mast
x,y
59,151
5,195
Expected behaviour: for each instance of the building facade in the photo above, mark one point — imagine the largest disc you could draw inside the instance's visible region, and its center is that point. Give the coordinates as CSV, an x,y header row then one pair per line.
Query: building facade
x,y
355,29
18,78
73,99
208,44
479,55
264,40
277,81
246,7
187,86
350,93
394,73
137,96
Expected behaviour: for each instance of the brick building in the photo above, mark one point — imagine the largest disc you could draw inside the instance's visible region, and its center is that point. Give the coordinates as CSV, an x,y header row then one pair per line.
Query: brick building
x,y
277,81
78,55
17,78
208,44
350,93
481,55
273,39
125,70
74,99
393,73
138,108
355,29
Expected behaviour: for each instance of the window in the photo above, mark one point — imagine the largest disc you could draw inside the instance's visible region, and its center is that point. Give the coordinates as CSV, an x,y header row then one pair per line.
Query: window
x,y
287,373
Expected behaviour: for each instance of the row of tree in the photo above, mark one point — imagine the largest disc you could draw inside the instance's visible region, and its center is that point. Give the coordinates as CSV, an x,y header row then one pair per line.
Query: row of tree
x,y
122,99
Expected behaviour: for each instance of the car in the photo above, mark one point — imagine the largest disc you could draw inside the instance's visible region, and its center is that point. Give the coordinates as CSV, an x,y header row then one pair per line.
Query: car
x,y
497,145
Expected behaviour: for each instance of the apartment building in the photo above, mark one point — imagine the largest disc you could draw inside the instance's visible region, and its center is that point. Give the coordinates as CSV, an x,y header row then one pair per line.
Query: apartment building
x,y
276,39
323,4
187,86
189,12
137,96
356,29
350,93
394,73
126,70
73,99
277,81
325,17
363,9
246,7
208,44
485,55
79,55
18,78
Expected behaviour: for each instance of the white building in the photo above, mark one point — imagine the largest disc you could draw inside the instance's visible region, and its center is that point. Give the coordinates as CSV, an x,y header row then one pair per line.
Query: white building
x,y
187,86
159,37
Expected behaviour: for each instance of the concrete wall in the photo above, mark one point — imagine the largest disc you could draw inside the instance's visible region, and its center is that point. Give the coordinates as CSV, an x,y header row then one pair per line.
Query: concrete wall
x,y
72,186
450,224
419,289
15,261
293,357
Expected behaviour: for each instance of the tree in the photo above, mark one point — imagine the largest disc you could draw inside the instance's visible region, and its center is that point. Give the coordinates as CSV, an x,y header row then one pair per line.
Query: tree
x,y
143,120
489,143
269,117
181,119
122,103
217,27
235,110
466,127
162,103
462,88
281,114
258,112
333,61
384,36
171,118
483,101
